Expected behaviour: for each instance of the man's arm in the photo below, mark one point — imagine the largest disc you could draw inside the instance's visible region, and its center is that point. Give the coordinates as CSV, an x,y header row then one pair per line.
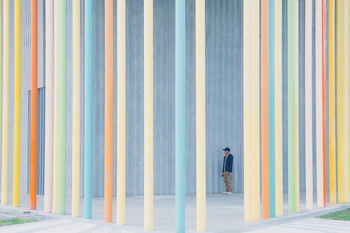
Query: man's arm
x,y
230,163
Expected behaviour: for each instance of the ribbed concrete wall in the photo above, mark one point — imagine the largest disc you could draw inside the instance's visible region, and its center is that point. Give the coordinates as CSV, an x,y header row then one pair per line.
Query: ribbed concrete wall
x,y
224,93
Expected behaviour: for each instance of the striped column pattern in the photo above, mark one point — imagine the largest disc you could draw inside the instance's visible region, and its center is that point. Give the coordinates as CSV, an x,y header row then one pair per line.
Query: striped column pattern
x,y
262,104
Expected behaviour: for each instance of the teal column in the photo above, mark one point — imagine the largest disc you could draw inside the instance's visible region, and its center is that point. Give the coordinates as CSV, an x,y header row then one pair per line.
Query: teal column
x,y
180,129
272,107
88,111
62,111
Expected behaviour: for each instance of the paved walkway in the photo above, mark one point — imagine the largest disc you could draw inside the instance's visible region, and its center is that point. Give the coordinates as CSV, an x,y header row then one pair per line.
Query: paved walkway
x,y
66,225
309,225
224,215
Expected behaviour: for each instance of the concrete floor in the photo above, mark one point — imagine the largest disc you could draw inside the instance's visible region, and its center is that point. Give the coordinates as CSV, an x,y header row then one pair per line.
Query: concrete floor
x,y
224,214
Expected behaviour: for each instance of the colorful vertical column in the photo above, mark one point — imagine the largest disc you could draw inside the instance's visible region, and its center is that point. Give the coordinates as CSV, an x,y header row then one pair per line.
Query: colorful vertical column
x,y
324,127
148,114
340,79
346,107
56,107
48,105
17,131
180,125
5,103
34,106
1,64
293,113
264,90
251,109
88,110
108,110
200,117
272,184
121,109
331,77
76,111
318,88
62,111
296,101
308,105
278,108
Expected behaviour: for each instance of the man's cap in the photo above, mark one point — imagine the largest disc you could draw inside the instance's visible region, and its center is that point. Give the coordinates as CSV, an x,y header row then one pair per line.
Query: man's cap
x,y
226,149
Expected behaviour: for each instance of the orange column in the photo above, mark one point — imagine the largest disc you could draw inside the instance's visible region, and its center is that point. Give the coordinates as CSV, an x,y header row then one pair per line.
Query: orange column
x,y
324,8
265,109
109,111
34,106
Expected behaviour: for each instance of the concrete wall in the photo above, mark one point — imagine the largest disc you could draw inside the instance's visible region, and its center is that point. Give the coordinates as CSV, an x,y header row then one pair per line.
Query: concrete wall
x,y
224,82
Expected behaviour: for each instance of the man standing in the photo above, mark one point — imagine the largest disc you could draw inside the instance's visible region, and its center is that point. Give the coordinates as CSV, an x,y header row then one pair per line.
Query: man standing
x,y
227,170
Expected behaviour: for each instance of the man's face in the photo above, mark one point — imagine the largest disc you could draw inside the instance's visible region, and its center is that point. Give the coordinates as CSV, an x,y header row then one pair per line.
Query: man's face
x,y
227,152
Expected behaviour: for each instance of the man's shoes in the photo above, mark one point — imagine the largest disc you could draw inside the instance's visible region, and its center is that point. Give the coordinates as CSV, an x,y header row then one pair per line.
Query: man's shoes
x,y
228,193
224,193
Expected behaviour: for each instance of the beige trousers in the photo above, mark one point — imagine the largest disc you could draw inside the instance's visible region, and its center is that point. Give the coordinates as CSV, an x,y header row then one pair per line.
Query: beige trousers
x,y
228,182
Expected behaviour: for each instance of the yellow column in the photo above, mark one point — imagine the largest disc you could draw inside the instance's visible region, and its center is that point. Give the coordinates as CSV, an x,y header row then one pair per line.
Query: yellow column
x,y
251,108
5,111
148,113
17,131
76,111
56,98
200,116
340,128
278,108
332,173
1,64
346,102
121,110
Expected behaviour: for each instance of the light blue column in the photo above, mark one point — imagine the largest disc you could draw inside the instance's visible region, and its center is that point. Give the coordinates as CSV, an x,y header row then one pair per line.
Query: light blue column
x,y
88,111
180,129
272,106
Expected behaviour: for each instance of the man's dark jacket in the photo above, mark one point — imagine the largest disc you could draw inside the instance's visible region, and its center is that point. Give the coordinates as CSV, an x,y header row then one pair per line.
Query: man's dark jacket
x,y
227,165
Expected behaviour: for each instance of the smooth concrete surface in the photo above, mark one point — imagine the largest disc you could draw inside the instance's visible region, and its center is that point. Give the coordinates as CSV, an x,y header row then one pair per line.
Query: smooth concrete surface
x,y
224,214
